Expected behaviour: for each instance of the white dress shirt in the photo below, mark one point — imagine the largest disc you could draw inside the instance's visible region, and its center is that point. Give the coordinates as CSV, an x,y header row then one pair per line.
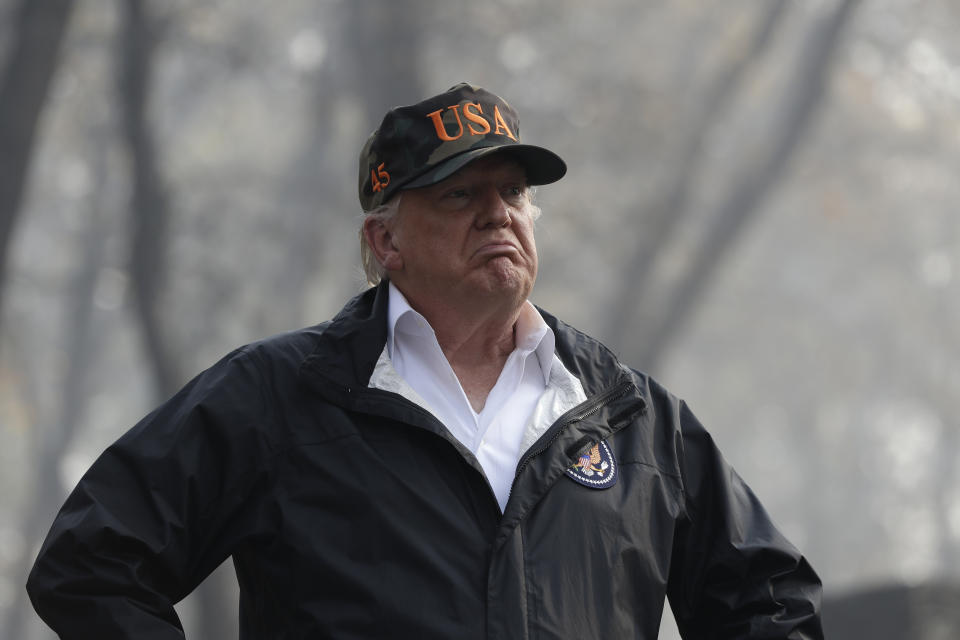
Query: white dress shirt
x,y
533,390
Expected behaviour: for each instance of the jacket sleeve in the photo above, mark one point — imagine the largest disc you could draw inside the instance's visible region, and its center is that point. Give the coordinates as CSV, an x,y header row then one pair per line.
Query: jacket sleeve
x,y
155,514
733,574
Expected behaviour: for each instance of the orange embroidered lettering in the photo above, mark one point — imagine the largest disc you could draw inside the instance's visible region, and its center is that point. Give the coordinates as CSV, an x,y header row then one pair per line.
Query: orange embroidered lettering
x,y
379,178
501,124
439,126
476,118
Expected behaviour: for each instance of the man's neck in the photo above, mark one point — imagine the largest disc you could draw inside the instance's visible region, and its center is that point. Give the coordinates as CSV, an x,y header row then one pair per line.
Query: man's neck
x,y
475,341
476,350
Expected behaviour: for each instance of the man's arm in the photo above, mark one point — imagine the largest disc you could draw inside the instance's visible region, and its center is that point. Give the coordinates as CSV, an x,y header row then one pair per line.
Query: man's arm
x,y
146,524
733,574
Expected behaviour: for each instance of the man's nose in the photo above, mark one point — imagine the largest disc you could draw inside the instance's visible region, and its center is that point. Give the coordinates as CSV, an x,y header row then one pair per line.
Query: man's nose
x,y
494,210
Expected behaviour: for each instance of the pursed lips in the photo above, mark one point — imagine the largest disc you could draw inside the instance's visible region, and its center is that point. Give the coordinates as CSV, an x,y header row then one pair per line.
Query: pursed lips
x,y
497,247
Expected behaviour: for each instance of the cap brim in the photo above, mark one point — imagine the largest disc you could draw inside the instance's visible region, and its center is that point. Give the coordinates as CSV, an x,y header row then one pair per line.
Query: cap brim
x,y
542,165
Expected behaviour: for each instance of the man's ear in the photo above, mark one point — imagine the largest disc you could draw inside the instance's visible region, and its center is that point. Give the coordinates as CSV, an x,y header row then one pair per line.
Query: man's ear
x,y
380,239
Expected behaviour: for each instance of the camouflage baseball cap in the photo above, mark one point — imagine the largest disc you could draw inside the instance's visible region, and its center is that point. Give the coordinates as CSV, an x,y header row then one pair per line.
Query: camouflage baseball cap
x,y
423,143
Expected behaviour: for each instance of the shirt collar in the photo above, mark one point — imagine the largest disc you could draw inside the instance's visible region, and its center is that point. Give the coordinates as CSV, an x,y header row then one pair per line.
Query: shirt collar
x,y
532,332
403,318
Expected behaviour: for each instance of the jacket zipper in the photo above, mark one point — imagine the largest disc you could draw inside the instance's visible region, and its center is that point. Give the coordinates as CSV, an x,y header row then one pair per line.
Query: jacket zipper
x,y
393,398
614,394
592,407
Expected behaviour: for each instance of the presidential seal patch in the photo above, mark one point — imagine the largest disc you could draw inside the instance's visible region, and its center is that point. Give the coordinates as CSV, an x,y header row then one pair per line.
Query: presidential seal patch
x,y
596,468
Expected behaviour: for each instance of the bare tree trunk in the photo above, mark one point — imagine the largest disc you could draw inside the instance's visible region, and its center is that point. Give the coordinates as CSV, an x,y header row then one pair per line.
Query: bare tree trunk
x,y
758,178
24,85
318,228
663,218
150,218
386,47
149,207
383,46
56,436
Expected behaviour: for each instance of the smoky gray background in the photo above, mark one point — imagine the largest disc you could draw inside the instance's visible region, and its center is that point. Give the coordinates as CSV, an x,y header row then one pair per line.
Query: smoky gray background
x,y
761,211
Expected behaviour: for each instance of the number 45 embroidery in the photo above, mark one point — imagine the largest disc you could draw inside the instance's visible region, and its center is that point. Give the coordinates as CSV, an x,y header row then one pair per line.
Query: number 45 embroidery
x,y
380,178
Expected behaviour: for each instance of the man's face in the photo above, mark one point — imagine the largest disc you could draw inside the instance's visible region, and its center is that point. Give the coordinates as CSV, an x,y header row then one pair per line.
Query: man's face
x,y
468,239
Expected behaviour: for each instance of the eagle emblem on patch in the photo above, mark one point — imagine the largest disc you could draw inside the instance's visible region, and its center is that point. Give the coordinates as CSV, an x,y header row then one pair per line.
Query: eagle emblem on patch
x,y
596,468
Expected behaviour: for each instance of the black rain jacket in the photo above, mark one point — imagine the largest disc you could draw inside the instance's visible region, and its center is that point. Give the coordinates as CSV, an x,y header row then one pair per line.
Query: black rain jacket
x,y
350,512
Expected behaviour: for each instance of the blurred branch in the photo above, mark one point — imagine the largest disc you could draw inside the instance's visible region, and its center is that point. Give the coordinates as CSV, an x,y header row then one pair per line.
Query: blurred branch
x,y
796,112
665,215
31,63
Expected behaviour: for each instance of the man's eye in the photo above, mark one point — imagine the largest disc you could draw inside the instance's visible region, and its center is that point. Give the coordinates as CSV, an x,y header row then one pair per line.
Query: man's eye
x,y
457,193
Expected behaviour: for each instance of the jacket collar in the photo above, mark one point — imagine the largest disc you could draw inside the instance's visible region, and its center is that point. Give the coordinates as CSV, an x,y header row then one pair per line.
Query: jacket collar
x,y
587,358
350,344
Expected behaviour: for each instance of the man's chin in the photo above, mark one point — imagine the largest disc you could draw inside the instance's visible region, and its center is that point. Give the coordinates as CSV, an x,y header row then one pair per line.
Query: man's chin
x,y
501,281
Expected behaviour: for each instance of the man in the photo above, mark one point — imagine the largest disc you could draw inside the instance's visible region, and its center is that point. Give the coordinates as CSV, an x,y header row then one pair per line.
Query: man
x,y
441,460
